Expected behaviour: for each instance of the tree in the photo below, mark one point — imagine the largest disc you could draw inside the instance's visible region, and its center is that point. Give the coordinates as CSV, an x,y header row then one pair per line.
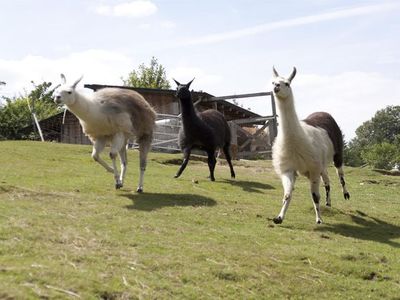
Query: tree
x,y
352,154
15,114
383,127
381,156
377,141
153,76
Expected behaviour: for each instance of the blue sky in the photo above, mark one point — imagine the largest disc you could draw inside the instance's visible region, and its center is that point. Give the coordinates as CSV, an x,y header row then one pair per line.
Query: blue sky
x,y
346,52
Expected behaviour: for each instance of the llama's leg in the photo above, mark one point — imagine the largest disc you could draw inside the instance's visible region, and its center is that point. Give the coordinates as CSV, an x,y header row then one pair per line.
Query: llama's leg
x,y
186,157
340,173
288,181
211,163
124,163
315,181
325,179
229,159
144,148
117,143
98,146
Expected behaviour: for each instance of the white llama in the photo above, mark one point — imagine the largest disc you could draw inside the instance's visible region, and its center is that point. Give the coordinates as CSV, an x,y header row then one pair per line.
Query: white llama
x,y
305,147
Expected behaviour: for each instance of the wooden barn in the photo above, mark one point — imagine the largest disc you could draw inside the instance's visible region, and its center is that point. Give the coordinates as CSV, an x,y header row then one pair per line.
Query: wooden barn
x,y
65,128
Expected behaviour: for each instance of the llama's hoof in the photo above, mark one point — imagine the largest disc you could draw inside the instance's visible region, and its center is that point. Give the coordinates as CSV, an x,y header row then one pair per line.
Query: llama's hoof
x,y
118,186
139,190
233,176
346,196
176,176
319,221
277,220
328,204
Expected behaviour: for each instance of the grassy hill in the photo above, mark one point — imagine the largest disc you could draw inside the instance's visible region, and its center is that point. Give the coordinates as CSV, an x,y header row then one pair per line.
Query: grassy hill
x,y
65,232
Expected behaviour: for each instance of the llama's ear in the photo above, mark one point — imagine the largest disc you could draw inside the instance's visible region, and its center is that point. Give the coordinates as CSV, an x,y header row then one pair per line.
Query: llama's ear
x,y
275,72
292,75
63,79
77,81
177,83
190,82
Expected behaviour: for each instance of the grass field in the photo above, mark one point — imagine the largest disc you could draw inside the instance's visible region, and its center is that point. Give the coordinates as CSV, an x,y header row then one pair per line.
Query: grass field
x,y
65,232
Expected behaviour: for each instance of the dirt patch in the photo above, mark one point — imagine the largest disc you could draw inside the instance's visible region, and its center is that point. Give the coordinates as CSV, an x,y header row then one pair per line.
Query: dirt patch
x,y
387,172
178,161
370,276
384,182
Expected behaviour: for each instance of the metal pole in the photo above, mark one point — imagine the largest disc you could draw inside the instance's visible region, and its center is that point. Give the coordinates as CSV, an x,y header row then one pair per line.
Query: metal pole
x,y
36,122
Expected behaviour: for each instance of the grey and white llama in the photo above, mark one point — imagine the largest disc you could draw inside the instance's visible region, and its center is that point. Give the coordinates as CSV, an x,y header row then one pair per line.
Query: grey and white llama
x,y
112,116
207,130
306,147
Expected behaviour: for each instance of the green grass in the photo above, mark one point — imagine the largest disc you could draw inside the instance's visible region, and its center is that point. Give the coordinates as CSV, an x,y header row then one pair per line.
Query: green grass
x,y
65,232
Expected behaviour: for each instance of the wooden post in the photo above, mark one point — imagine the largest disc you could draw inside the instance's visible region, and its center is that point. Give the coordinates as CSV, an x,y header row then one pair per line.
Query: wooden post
x,y
234,139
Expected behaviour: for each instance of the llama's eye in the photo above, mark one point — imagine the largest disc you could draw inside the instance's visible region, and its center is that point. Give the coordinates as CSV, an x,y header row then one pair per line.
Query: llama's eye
x,y
69,93
287,84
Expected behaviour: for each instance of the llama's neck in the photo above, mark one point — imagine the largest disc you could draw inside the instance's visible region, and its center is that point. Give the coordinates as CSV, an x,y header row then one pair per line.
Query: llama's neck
x,y
81,106
289,123
188,112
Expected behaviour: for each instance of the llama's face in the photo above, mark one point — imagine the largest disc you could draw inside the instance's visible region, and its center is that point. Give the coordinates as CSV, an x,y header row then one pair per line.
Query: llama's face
x,y
281,85
65,94
182,90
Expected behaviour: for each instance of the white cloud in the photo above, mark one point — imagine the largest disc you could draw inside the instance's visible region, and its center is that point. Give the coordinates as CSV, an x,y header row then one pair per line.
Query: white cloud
x,y
202,79
165,25
351,97
168,24
323,17
144,26
97,66
136,9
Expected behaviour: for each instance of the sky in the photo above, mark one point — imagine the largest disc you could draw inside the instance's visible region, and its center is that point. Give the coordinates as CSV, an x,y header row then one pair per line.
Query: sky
x,y
347,52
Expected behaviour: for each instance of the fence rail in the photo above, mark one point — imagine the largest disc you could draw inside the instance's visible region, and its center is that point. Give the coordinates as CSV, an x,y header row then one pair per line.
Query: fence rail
x,y
166,133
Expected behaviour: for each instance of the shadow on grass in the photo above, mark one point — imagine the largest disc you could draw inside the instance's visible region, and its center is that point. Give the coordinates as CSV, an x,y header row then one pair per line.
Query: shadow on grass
x,y
366,228
152,201
249,186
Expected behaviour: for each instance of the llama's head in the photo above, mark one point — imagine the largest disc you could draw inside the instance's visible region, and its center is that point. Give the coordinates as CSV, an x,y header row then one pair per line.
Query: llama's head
x,y
65,94
281,85
182,90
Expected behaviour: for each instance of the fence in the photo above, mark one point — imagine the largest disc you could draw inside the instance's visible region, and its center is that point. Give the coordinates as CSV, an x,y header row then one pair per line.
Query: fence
x,y
165,137
250,142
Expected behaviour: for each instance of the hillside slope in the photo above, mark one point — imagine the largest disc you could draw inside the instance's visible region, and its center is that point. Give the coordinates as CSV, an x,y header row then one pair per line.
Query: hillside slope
x,y
65,232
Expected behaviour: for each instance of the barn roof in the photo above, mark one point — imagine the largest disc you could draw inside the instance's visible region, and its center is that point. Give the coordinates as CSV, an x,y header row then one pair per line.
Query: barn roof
x,y
230,110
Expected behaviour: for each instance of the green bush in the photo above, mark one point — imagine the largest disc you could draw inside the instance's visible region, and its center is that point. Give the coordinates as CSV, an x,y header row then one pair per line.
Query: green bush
x,y
377,141
15,113
382,156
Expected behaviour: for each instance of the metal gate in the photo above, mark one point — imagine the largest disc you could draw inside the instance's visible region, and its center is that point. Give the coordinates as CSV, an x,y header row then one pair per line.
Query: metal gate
x,y
246,146
245,143
165,138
